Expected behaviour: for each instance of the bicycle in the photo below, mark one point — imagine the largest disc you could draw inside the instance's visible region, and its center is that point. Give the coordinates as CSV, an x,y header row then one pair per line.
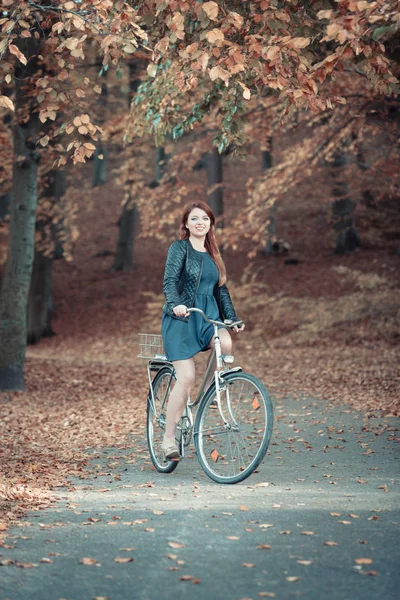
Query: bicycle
x,y
233,424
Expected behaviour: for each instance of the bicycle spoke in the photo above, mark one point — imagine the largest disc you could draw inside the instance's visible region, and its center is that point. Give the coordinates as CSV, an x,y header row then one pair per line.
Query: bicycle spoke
x,y
230,451
156,417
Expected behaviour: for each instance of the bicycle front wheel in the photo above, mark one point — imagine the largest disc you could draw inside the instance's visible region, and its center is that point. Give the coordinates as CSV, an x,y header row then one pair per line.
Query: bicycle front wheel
x,y
156,418
230,449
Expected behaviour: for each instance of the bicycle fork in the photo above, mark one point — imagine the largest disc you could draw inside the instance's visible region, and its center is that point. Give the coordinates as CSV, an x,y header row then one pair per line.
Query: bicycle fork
x,y
218,378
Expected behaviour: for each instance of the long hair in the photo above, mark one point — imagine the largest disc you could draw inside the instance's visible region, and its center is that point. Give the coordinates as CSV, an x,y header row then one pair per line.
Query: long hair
x,y
210,242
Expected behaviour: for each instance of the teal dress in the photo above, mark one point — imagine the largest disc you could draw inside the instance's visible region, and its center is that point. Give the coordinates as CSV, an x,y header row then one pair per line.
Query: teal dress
x,y
184,339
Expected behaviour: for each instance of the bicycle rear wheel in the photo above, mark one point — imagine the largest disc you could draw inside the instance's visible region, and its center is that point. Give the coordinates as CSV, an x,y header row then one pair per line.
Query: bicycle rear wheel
x,y
162,387
230,452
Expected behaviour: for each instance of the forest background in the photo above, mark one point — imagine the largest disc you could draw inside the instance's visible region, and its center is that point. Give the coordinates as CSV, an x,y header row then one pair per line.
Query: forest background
x,y
283,115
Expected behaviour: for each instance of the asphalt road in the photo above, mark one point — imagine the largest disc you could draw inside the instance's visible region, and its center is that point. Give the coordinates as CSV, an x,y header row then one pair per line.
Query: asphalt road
x,y
319,520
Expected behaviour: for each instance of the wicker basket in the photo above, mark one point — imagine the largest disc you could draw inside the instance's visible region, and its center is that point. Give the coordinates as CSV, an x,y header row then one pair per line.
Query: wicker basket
x,y
151,346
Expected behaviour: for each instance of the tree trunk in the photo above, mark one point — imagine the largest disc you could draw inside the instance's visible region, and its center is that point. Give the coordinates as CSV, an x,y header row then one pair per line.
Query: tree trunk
x,y
40,302
134,79
266,163
17,274
215,197
160,163
100,164
40,299
347,239
5,203
124,254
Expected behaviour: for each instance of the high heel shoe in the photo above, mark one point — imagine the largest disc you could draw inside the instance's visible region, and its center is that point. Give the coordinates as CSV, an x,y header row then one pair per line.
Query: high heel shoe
x,y
170,451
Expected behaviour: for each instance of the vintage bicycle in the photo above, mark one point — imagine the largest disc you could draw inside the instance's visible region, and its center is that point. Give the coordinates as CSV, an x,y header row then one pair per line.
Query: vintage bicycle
x,y
234,419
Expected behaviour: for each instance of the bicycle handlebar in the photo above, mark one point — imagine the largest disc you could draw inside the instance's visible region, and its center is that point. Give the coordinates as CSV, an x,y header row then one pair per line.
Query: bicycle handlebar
x,y
228,324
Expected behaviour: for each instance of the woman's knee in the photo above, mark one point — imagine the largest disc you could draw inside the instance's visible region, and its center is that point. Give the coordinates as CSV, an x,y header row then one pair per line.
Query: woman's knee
x,y
185,375
226,343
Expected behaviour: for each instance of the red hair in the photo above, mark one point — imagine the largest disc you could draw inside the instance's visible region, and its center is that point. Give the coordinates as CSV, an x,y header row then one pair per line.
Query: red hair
x,y
210,242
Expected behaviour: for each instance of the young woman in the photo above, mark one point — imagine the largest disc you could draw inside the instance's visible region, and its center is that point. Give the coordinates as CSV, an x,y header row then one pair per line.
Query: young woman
x,y
194,276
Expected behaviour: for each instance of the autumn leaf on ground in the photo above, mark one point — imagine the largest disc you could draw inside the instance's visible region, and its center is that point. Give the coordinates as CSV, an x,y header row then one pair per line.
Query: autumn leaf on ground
x,y
363,561
88,561
244,508
264,547
176,545
329,543
186,577
123,559
248,565
292,579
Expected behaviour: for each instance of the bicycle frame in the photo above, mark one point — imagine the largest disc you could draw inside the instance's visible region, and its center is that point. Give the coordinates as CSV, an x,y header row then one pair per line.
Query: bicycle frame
x,y
216,359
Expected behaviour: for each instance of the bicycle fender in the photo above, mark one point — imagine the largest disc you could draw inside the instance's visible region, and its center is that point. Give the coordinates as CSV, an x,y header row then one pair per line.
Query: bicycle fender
x,y
228,371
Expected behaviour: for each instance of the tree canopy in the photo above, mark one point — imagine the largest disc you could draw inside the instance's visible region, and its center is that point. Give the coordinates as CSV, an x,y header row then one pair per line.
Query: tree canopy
x,y
198,54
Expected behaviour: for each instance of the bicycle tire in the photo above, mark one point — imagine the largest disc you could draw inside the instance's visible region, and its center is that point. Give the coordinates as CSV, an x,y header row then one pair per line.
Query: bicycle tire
x,y
202,437
153,445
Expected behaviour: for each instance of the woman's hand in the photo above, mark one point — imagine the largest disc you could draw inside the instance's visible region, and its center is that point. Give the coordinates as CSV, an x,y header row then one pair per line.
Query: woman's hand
x,y
237,329
180,310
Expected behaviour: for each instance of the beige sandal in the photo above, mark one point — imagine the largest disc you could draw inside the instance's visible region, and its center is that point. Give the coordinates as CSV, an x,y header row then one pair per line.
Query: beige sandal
x,y
170,451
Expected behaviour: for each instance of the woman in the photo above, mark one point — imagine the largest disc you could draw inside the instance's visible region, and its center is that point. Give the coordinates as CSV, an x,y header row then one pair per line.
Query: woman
x,y
194,276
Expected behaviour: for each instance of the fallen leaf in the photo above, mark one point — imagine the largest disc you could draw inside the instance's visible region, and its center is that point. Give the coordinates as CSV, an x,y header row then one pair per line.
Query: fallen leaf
x,y
292,579
264,547
248,565
176,545
305,562
158,512
331,544
267,594
307,533
45,560
88,561
186,577
363,561
233,537
244,508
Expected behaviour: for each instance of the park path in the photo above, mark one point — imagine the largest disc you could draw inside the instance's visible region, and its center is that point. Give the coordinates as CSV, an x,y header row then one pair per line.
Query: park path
x,y
320,519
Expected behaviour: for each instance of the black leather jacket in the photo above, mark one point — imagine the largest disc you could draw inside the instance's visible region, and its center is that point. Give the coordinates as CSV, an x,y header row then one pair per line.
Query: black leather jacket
x,y
181,281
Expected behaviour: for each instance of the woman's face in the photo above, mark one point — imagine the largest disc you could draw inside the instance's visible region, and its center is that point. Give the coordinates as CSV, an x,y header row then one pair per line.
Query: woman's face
x,y
198,223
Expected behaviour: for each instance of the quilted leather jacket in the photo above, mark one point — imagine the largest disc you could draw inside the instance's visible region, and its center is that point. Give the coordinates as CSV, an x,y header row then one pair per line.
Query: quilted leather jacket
x,y
182,277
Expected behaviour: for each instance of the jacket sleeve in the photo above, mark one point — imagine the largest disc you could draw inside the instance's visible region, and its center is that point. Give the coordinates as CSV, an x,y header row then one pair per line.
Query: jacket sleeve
x,y
226,305
173,269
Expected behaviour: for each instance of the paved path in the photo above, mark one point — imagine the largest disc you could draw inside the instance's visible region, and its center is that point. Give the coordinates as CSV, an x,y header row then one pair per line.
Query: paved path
x,y
320,520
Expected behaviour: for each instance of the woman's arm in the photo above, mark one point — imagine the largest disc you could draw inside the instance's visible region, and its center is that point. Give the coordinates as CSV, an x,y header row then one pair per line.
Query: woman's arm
x,y
173,269
226,305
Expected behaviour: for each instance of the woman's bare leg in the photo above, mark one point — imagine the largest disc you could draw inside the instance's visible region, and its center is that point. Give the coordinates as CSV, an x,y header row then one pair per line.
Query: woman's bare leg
x,y
185,373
